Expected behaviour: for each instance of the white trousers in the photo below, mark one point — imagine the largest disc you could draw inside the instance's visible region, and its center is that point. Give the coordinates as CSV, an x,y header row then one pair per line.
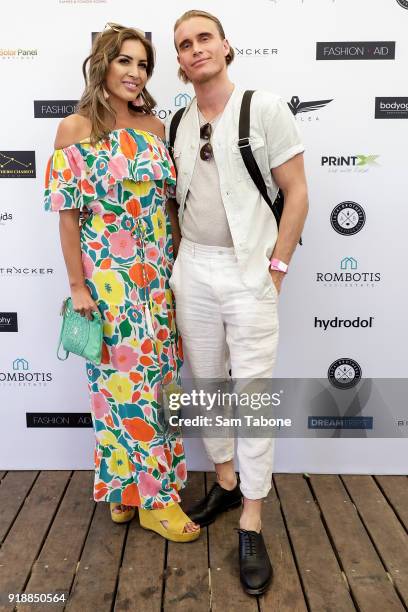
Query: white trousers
x,y
224,325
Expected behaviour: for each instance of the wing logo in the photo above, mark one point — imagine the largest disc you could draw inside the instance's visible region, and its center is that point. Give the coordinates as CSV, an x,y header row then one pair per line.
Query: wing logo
x,y
296,106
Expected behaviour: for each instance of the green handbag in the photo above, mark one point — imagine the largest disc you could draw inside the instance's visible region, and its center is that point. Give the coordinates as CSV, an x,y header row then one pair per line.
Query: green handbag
x,y
80,335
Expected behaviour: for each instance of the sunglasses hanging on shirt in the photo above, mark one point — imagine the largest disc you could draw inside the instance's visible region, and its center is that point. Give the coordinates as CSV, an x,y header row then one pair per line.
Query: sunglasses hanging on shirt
x,y
206,151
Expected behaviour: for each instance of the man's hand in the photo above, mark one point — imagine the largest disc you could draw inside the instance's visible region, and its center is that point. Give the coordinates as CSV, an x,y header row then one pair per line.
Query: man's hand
x,y
277,278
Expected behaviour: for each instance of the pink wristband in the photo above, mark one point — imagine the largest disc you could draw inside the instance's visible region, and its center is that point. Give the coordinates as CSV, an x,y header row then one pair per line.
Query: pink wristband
x,y
277,264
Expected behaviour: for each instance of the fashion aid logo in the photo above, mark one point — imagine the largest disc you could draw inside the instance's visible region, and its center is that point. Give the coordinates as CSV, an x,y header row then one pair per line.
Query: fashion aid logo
x,y
358,164
17,164
8,322
50,109
347,218
348,274
28,271
58,419
371,50
21,375
337,323
344,373
299,108
5,218
403,3
391,108
17,54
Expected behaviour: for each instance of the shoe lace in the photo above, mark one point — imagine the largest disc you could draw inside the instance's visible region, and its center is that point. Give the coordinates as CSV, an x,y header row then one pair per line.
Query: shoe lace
x,y
249,541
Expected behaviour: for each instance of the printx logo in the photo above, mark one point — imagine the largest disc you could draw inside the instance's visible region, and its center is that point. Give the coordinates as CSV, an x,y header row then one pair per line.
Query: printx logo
x,y
349,163
299,108
348,276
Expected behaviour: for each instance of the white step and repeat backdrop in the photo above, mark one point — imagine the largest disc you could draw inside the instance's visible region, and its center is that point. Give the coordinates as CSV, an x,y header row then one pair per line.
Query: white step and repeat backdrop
x,y
342,66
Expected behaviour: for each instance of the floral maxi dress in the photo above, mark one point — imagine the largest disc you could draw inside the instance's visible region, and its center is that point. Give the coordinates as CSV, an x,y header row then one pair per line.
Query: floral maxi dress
x,y
127,257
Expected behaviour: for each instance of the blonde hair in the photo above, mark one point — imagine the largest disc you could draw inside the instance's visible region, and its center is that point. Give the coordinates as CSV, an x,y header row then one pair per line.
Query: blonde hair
x,y
195,13
93,104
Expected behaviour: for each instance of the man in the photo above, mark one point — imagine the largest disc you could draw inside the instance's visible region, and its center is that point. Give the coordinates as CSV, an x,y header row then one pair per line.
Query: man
x,y
225,289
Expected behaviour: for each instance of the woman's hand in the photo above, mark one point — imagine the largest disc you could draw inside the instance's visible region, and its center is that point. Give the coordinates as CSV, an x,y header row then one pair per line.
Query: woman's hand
x,y
82,301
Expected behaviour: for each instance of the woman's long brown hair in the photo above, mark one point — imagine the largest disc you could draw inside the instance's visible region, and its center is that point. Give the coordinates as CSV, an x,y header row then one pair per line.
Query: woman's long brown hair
x,y
93,103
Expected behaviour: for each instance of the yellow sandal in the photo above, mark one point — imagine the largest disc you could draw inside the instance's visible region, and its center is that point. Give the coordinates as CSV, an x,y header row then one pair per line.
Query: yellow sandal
x,y
121,517
177,519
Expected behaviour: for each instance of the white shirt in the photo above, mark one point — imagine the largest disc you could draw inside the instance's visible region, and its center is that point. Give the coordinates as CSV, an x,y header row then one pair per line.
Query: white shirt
x,y
274,140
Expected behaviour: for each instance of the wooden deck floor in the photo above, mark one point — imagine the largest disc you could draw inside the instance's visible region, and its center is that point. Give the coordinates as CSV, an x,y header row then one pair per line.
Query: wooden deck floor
x,y
337,544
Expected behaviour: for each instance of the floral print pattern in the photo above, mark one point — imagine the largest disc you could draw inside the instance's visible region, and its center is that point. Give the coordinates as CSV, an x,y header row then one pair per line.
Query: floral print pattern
x,y
127,258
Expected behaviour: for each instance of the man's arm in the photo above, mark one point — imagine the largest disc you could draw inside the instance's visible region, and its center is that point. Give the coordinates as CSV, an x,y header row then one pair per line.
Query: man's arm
x,y
291,179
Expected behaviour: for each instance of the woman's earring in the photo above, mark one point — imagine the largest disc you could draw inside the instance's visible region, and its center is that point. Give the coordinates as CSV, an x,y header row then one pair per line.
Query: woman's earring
x,y
139,101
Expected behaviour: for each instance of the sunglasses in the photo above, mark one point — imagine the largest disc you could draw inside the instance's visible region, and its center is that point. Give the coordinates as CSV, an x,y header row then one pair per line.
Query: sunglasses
x,y
206,151
119,28
114,26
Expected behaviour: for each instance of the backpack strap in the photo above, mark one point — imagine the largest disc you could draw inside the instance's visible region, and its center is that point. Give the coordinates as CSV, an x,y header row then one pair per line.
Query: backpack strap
x,y
174,123
248,158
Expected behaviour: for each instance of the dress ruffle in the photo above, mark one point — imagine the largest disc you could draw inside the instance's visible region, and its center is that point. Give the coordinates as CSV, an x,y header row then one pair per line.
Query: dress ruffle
x,y
82,173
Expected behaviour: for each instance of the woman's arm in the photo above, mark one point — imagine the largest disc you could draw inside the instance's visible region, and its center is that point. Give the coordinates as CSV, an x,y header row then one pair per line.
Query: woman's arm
x,y
71,248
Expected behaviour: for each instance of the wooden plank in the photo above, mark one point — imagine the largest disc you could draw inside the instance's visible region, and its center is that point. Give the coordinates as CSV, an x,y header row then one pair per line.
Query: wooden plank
x,y
142,572
187,578
24,540
55,568
365,573
2,474
13,490
285,592
387,533
226,590
94,587
395,489
323,583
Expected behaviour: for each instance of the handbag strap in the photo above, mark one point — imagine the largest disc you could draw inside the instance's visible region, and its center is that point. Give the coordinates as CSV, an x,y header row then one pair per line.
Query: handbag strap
x,y
59,346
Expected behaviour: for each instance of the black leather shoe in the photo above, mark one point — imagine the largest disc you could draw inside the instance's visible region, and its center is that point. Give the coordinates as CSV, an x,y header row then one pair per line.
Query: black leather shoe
x,y
216,501
255,569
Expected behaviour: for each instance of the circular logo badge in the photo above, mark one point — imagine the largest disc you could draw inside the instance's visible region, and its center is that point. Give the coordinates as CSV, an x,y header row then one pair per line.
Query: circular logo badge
x,y
344,373
403,3
347,218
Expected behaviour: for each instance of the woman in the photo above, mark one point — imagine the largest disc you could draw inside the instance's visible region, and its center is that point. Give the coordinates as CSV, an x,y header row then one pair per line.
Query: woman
x,y
110,158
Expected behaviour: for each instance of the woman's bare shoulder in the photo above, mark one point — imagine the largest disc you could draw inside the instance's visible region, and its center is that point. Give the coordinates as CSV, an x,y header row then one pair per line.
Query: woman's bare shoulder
x,y
154,125
71,130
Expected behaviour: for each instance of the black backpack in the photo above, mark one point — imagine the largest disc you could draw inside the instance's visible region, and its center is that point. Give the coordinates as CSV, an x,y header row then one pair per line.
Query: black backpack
x,y
246,153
